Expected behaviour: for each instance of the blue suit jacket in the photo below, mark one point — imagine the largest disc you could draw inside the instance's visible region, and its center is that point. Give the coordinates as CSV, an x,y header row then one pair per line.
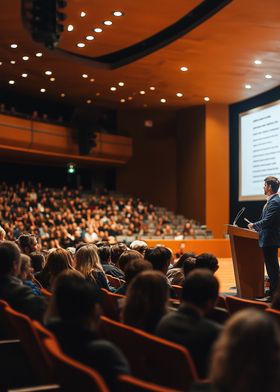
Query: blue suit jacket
x,y
269,224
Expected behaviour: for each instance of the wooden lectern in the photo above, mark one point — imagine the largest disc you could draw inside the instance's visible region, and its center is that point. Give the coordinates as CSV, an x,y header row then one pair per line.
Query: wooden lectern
x,y
248,262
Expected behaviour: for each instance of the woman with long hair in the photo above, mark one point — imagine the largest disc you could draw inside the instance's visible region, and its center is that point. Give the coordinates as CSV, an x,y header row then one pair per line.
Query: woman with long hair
x,y
147,300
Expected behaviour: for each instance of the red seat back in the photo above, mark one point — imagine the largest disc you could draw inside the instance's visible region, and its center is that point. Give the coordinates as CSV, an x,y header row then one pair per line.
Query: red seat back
x,y
234,304
111,304
133,384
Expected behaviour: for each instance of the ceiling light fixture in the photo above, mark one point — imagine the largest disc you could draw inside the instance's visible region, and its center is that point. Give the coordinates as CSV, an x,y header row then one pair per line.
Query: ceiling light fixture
x,y
248,86
184,69
39,54
62,95
107,22
122,100
97,94
25,58
179,95
24,75
130,98
207,99
267,76
13,62
89,100
258,62
11,82
152,88
121,84
92,80
52,79
13,46
84,76
163,100
48,72
118,13
142,92
1,63
90,37
113,88
81,45
43,90
82,14
98,30
70,27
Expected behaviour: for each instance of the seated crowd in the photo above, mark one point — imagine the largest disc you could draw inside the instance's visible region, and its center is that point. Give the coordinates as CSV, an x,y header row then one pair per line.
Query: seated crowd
x,y
63,218
65,290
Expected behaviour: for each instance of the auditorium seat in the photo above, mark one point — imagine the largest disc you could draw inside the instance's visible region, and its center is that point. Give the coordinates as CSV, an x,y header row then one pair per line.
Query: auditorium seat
x,y
234,304
151,358
111,303
177,290
6,331
274,313
45,292
72,375
133,384
221,302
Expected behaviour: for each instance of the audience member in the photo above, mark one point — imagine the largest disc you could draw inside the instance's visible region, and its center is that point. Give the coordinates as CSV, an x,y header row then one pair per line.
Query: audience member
x,y
189,326
133,268
27,243
159,257
116,251
176,275
26,274
138,245
72,317
2,234
127,256
147,301
12,289
37,261
208,261
104,253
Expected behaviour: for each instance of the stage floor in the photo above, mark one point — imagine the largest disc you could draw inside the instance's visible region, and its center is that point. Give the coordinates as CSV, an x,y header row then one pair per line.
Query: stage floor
x,y
225,274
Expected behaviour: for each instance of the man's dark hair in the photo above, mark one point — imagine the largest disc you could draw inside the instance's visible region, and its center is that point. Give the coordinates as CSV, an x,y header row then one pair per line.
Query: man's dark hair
x,y
116,251
9,253
104,253
208,261
199,287
180,262
189,265
159,257
273,182
134,267
26,241
74,296
126,258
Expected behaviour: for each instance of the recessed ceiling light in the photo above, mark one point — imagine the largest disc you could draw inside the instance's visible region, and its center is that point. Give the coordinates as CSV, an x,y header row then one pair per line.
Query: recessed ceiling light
x,y
89,100
117,13
82,14
90,37
39,54
43,90
11,82
92,80
1,63
163,100
48,72
121,84
248,86
97,94
258,62
130,98
62,95
179,95
122,100
113,88
152,88
98,30
52,79
24,75
184,69
84,76
13,46
207,99
108,22
25,58
70,27
81,44
142,92
12,61
267,76
145,105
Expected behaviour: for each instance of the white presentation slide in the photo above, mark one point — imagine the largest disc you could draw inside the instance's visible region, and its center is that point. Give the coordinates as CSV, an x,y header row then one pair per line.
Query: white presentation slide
x,y
259,149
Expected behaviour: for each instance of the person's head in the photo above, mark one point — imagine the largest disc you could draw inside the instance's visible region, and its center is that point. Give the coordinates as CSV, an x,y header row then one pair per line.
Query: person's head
x,y
147,299
159,257
9,258
27,243
57,261
104,252
200,289
208,261
189,265
251,339
134,267
37,261
2,234
271,185
116,251
138,245
180,262
74,299
26,269
87,260
127,256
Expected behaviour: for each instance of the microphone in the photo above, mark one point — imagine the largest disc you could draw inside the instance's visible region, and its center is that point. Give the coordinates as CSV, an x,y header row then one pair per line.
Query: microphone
x,y
238,215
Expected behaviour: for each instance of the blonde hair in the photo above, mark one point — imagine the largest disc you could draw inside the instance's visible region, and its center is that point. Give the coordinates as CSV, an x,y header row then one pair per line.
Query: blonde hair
x,y
87,260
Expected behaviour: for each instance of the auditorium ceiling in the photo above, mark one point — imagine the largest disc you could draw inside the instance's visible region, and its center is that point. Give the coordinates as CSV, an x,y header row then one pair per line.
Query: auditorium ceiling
x,y
219,54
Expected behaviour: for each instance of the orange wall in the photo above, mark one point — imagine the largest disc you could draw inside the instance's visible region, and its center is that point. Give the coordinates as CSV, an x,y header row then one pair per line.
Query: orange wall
x,y
217,168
